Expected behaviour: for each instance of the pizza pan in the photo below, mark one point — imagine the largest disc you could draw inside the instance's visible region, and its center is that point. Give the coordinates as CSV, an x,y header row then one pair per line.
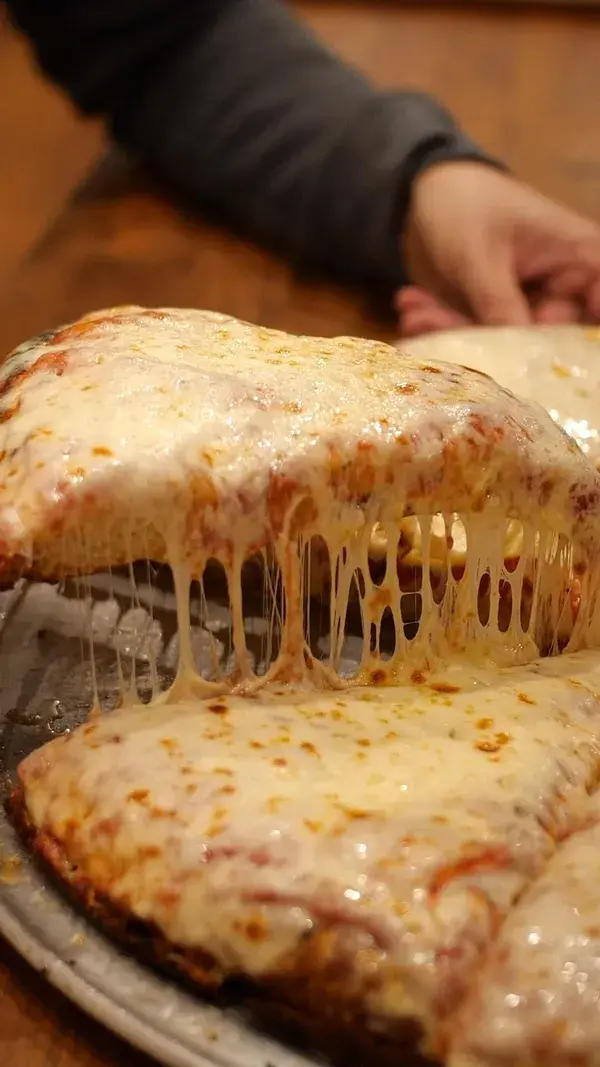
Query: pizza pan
x,y
46,687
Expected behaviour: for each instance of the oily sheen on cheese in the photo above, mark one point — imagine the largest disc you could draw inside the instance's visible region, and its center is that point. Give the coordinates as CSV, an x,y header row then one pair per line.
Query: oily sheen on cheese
x,y
188,436
382,834
539,994
555,366
371,855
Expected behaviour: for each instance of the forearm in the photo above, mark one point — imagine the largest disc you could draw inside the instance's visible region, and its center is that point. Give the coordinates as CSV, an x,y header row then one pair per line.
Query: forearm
x,y
237,104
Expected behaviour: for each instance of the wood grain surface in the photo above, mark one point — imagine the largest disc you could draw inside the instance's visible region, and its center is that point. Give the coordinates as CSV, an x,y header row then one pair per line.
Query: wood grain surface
x,y
523,82
45,149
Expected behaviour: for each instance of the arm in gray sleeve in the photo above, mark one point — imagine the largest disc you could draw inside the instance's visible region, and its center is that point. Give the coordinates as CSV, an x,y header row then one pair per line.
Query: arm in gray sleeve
x,y
237,104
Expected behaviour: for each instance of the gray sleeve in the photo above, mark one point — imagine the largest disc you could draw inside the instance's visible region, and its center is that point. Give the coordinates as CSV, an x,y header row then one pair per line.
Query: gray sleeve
x,y
238,105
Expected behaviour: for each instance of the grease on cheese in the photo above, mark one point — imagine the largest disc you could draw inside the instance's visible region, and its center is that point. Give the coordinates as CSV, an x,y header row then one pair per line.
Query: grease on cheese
x,y
555,366
407,819
189,436
538,999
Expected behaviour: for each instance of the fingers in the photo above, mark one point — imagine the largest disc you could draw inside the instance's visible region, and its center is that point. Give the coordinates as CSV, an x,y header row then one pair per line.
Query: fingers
x,y
421,312
492,287
553,311
593,301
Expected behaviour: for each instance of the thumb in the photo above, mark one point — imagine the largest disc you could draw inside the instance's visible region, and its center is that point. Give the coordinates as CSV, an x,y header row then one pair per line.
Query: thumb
x,y
492,290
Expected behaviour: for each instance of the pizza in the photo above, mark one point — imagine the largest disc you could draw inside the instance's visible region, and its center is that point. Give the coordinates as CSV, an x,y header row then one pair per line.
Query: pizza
x,y
362,854
189,437
537,1001
556,366
350,853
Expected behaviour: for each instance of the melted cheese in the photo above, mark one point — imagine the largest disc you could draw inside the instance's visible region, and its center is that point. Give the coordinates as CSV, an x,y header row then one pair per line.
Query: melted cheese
x,y
555,366
186,436
538,1002
405,820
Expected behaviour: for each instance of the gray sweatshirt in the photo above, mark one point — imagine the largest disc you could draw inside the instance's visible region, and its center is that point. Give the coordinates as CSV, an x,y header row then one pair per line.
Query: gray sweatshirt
x,y
236,104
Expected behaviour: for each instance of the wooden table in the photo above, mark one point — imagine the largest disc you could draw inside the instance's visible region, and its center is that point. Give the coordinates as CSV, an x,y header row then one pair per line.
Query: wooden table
x,y
524,83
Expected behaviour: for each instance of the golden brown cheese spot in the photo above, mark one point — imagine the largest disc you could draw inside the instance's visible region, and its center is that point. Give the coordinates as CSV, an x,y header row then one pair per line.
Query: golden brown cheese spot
x,y
377,677
78,329
279,761
354,814
56,362
484,724
418,678
307,746
313,825
161,813
140,796
149,852
257,744
487,746
102,450
525,699
169,743
444,687
256,929
218,707
8,413
169,898
503,738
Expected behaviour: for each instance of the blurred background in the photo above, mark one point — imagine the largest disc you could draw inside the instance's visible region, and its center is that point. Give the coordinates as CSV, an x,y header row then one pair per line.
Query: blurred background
x,y
522,79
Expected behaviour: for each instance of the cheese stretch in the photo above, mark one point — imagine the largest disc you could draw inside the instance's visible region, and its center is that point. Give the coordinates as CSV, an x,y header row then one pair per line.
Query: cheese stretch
x,y
407,842
190,437
555,366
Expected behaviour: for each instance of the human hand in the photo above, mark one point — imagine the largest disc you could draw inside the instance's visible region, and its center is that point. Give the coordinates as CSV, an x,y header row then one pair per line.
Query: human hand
x,y
480,247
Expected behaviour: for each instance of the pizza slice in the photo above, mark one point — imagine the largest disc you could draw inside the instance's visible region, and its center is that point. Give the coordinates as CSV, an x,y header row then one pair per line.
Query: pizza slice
x,y
537,1001
555,366
189,437
352,855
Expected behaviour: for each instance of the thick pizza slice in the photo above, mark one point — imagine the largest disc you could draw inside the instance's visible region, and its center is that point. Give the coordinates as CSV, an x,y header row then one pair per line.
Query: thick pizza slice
x,y
134,430
189,436
556,366
352,855
537,1001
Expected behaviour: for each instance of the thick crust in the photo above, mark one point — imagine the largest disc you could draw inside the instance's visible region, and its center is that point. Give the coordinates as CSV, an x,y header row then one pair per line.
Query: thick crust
x,y
311,999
